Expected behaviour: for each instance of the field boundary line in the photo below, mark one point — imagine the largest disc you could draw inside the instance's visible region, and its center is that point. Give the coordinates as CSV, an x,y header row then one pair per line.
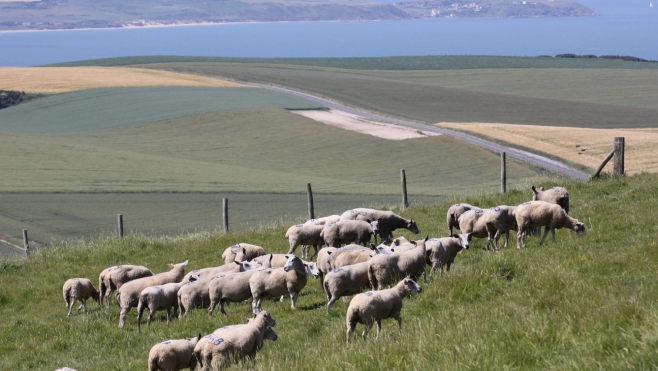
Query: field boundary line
x,y
12,245
535,159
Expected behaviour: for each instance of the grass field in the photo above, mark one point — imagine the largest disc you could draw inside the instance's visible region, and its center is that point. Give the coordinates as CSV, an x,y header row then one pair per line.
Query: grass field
x,y
582,303
51,80
587,147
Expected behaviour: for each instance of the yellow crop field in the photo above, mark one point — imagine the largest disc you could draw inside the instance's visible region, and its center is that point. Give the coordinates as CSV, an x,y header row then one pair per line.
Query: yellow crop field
x,y
584,146
50,80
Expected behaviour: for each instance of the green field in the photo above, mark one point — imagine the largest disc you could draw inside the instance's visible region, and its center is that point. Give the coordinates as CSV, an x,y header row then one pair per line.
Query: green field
x,y
583,303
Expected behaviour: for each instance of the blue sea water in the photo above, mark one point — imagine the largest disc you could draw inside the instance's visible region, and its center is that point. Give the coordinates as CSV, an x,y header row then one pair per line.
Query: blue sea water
x,y
628,27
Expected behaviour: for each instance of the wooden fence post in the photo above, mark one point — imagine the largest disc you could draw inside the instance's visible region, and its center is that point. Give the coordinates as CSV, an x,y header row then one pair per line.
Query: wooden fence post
x,y
619,156
120,223
405,201
225,214
503,173
309,193
605,161
26,244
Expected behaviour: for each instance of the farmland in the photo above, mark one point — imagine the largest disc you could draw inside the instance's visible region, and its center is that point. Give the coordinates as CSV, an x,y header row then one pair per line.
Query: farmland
x,y
578,303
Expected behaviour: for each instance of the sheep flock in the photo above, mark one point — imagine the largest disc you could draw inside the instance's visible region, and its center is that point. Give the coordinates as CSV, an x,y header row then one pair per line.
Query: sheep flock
x,y
377,277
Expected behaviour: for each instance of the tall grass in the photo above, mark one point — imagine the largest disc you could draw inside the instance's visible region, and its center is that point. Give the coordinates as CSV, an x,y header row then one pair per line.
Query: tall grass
x,y
580,303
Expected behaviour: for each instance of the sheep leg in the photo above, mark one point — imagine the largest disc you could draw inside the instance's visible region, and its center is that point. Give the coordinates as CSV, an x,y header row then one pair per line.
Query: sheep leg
x,y
315,251
213,303
553,233
351,326
365,331
255,304
168,315
122,316
506,238
70,305
541,242
379,329
293,247
221,308
108,297
331,303
83,305
399,322
293,299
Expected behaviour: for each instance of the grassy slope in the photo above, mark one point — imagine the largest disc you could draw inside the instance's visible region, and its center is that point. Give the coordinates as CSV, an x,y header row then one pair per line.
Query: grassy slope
x,y
108,108
581,303
269,150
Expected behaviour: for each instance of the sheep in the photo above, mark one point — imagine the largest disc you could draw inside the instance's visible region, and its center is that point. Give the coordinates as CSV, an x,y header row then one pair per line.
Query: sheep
x,y
129,293
497,220
173,355
346,231
472,222
353,257
345,281
250,251
323,261
112,278
555,195
233,343
454,212
401,244
388,221
540,213
159,297
79,289
375,306
65,369
232,288
324,220
305,235
273,282
442,251
382,268
333,255
233,267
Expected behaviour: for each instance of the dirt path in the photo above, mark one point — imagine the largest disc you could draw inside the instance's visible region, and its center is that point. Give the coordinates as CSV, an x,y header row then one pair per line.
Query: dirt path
x,y
363,125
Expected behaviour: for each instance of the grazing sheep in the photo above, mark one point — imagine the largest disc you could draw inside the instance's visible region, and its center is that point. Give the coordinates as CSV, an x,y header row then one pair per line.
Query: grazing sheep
x,y
233,267
346,231
173,355
305,235
65,369
555,195
232,288
388,221
129,293
159,297
250,251
401,244
375,306
353,257
274,282
540,213
454,212
79,289
383,269
324,220
333,255
323,261
497,220
234,343
112,278
345,281
442,251
472,222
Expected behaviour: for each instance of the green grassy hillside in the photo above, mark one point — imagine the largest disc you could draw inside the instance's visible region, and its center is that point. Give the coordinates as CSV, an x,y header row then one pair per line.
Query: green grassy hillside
x,y
102,109
583,303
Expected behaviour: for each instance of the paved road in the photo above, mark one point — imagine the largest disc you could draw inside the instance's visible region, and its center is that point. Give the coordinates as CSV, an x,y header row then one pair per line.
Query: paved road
x,y
538,160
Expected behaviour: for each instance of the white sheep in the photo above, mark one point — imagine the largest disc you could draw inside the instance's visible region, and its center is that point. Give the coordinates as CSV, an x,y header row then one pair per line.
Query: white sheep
x,y
333,255
250,251
305,235
472,222
324,220
112,278
442,251
75,289
129,293
388,221
209,272
555,195
353,257
383,268
65,369
159,297
454,212
274,282
346,231
375,306
497,220
173,355
323,262
345,281
231,288
540,213
233,343
401,244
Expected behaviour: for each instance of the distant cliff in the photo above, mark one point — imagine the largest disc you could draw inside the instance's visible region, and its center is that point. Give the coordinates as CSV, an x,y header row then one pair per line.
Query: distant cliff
x,y
70,14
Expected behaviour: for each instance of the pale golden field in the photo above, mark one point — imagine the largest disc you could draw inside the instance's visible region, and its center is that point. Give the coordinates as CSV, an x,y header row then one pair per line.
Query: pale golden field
x,y
587,147
50,80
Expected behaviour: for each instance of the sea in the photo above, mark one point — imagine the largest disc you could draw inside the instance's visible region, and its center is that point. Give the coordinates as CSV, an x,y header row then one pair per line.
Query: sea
x,y
623,27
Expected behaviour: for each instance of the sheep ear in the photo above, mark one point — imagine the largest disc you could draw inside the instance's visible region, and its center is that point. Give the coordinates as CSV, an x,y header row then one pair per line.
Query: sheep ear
x,y
328,252
426,238
392,250
271,256
414,243
198,337
368,220
454,235
238,263
372,246
534,190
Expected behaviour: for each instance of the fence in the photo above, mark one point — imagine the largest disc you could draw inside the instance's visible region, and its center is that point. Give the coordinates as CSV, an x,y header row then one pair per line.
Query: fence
x,y
54,218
